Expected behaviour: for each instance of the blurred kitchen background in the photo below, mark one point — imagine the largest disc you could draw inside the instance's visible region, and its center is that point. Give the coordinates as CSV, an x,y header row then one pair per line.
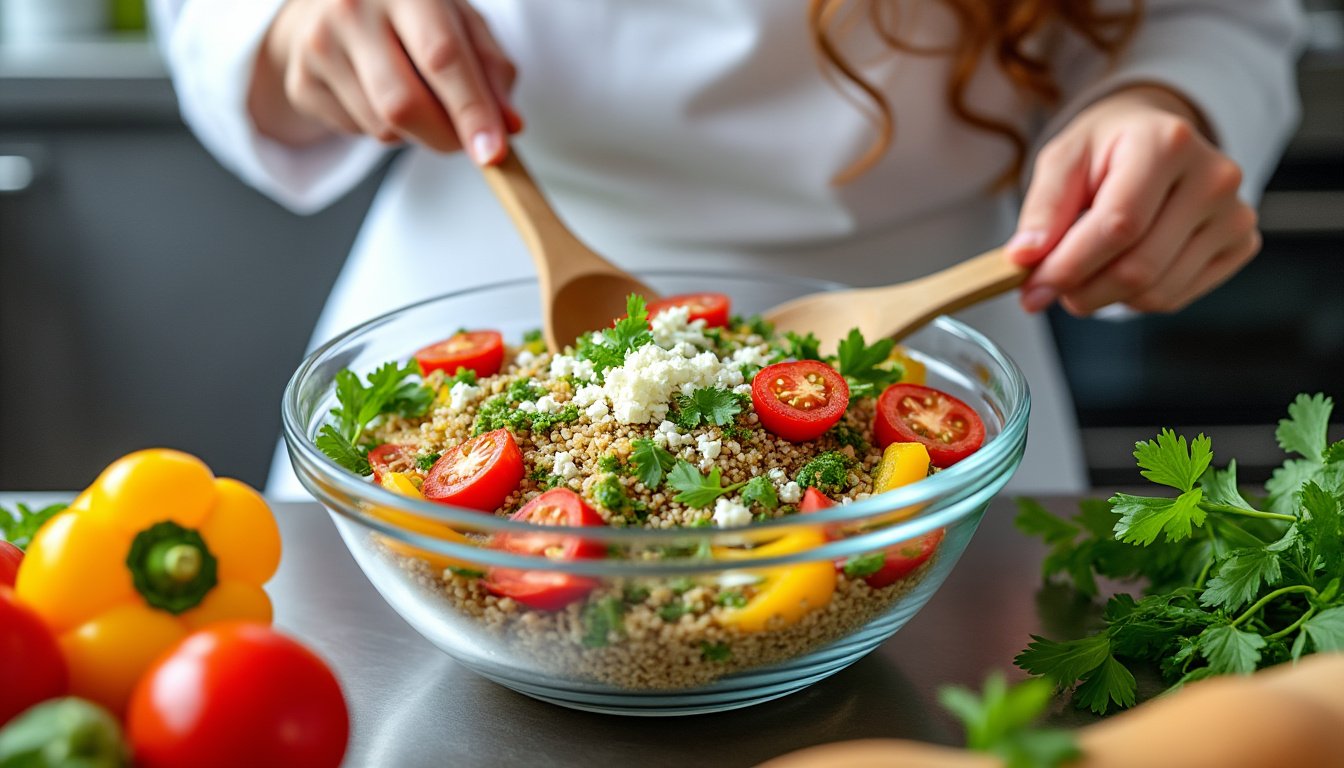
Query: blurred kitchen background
x,y
147,297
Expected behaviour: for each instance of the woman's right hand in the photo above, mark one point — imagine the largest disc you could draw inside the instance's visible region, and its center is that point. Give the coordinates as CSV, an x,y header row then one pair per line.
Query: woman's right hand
x,y
427,71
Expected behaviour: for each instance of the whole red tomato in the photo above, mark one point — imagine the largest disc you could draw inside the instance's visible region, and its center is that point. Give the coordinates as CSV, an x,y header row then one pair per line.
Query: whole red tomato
x,y
32,669
10,557
238,694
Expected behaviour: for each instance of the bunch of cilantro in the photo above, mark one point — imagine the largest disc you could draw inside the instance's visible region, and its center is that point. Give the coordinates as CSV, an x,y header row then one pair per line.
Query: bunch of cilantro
x,y
1233,585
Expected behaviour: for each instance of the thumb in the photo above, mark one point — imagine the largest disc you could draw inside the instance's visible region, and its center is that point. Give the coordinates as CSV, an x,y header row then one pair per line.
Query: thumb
x,y
1055,198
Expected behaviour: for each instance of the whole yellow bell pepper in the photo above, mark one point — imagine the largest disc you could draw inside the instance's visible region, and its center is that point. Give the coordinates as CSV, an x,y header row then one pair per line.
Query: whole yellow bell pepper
x,y
156,548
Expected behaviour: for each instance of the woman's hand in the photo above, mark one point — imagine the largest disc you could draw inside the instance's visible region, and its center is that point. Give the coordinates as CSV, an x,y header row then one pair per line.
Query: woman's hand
x,y
427,71
1131,203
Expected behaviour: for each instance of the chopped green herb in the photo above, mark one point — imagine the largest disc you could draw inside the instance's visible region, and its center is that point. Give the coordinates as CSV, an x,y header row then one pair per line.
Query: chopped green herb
x,y
611,495
847,435
828,473
681,585
732,598
672,611
467,573
388,392
754,325
733,432
629,333
866,564
999,721
425,461
521,390
696,490
602,619
609,463
634,593
760,491
650,461
499,412
717,652
463,376
17,527
708,405
864,366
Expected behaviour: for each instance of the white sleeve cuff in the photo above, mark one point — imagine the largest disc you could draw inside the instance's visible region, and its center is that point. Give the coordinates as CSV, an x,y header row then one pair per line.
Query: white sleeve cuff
x,y
212,47
1235,66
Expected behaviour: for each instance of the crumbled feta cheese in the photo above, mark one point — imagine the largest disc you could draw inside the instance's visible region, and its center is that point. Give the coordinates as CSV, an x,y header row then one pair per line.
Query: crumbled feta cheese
x,y
527,406
777,475
562,464
568,365
742,389
587,395
596,410
641,388
734,579
710,449
673,326
667,435
524,359
547,404
758,355
730,514
791,493
461,395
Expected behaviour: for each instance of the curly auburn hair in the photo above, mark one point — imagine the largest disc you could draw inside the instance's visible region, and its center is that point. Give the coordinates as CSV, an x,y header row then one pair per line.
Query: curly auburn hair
x,y
1003,28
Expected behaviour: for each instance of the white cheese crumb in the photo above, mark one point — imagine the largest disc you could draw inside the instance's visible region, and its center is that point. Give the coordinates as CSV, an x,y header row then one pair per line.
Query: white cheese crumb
x,y
791,493
777,475
525,358
730,514
562,464
673,326
710,449
596,411
461,395
547,404
527,406
568,365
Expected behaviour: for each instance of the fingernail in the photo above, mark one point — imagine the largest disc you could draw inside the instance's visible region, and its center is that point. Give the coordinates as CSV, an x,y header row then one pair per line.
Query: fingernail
x,y
1026,239
1038,298
484,147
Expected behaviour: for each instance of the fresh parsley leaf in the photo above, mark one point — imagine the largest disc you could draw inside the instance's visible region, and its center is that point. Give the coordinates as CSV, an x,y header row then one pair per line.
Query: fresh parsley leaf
x,y
1169,461
696,490
754,326
1220,486
388,392
802,347
628,334
601,619
425,461
1143,518
20,525
650,462
342,451
1230,650
1111,682
862,364
1064,662
1286,481
611,495
1303,432
760,491
1326,629
1322,525
1334,454
609,463
732,598
709,405
866,564
1240,577
999,721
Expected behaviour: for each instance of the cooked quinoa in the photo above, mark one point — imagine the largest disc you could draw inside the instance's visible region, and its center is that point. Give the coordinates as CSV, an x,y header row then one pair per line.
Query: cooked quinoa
x,y
581,424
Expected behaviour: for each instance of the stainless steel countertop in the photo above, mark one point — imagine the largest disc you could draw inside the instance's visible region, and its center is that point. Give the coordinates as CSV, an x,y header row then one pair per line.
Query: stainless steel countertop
x,y
412,705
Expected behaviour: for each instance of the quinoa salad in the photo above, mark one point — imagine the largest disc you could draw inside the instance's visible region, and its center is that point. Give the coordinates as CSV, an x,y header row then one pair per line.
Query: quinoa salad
x,y
678,416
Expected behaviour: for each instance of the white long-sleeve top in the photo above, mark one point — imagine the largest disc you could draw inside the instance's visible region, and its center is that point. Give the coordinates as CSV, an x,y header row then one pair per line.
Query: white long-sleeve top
x,y
702,134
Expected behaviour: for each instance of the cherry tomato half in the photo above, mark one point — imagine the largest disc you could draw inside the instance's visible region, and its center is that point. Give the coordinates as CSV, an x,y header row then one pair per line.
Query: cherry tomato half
x,y
32,668
713,308
548,590
236,694
911,413
478,474
799,400
10,557
814,500
479,351
900,560
391,457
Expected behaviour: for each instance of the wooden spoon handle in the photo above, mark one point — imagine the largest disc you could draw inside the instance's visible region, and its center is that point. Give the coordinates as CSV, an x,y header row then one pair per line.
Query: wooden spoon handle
x,y
969,282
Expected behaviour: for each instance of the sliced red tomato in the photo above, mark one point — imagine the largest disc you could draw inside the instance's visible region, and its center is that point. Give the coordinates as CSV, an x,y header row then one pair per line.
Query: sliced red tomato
x,y
899,561
541,589
391,457
478,474
10,557
814,500
479,351
713,308
799,400
558,507
912,413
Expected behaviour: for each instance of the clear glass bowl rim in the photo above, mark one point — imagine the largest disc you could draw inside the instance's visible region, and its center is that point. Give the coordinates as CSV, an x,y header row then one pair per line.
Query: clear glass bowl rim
x,y
944,484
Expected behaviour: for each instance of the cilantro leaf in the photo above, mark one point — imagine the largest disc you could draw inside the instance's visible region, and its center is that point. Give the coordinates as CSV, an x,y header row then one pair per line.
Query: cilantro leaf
x,y
628,334
861,364
1239,578
19,526
1220,486
1286,481
760,491
388,392
710,405
1303,432
1335,453
1109,682
1144,518
802,347
1230,650
696,490
342,451
650,461
1326,629
1322,525
1169,461
1064,662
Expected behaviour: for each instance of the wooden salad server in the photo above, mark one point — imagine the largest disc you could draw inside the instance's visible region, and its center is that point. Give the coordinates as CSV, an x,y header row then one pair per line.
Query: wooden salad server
x,y
580,290
896,310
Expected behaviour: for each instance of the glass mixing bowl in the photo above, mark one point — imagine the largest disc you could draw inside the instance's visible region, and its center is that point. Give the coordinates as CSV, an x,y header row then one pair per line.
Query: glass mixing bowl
x,y
654,635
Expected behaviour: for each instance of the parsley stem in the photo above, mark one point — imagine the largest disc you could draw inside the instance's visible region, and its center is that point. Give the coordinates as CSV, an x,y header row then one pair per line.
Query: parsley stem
x,y
1228,509
1204,573
1288,630
1262,602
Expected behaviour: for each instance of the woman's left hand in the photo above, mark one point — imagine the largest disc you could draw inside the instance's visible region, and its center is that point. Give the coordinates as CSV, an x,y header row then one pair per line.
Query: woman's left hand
x,y
1131,203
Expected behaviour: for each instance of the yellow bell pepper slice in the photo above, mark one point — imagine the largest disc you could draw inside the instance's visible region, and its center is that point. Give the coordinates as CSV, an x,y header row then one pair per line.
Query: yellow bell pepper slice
x,y
902,464
156,547
787,593
915,371
403,483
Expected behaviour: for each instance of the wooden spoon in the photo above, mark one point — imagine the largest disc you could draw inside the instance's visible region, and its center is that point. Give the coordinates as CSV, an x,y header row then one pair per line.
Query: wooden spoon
x,y
580,290
896,310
